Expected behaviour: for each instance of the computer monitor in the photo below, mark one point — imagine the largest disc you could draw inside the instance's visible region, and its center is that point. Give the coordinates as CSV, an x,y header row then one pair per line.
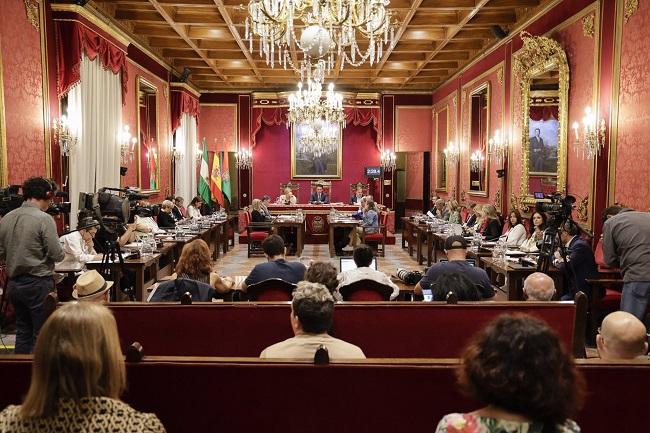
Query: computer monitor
x,y
347,263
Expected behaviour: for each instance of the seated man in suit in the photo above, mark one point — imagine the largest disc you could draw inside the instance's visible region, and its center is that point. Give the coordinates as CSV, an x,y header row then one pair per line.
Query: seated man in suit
x,y
312,311
363,256
580,260
358,196
319,197
276,265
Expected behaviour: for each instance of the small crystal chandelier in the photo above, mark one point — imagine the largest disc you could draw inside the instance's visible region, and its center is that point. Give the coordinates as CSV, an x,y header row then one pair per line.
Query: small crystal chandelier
x,y
332,30
594,135
127,144
244,159
306,106
388,160
452,153
64,136
318,139
476,161
498,147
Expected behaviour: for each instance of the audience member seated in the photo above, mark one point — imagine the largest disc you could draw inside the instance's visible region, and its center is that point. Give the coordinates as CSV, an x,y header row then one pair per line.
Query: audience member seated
x,y
287,197
179,211
580,260
312,311
318,196
454,212
327,275
622,336
264,207
166,218
194,209
79,246
516,234
527,382
358,195
456,250
77,378
195,263
472,216
539,287
276,265
370,224
538,224
458,284
257,215
92,287
492,225
439,210
363,256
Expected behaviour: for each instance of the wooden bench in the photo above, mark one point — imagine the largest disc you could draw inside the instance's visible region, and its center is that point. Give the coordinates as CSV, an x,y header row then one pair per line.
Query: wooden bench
x,y
381,329
239,395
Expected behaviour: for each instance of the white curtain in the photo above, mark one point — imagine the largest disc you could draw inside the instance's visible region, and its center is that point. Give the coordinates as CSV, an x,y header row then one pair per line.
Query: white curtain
x,y
186,144
95,111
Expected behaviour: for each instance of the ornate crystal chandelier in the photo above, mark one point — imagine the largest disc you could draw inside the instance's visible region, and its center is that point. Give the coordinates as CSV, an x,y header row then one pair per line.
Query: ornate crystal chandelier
x,y
388,160
452,153
244,159
64,136
594,135
127,144
330,30
476,161
306,106
318,139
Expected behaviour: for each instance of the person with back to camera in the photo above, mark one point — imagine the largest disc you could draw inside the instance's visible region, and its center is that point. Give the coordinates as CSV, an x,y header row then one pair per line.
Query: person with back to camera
x,y
195,263
456,250
276,266
363,256
622,336
78,376
539,287
30,247
327,275
526,381
458,284
312,313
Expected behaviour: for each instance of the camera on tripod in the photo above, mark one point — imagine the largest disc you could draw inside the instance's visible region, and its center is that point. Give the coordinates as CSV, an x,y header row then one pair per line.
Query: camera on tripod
x,y
113,210
558,208
11,198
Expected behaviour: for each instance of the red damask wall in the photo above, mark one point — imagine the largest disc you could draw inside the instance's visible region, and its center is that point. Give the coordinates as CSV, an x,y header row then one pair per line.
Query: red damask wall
x,y
272,156
412,129
218,124
23,92
633,147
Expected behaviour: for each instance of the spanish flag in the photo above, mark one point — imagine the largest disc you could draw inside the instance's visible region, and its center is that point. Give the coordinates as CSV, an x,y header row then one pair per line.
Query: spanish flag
x,y
215,180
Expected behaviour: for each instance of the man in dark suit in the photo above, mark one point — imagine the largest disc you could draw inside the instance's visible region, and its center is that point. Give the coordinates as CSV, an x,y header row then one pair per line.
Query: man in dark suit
x,y
537,153
358,195
319,196
580,261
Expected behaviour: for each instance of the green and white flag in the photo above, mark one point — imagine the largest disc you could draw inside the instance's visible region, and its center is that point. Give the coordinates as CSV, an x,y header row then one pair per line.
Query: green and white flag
x,y
204,179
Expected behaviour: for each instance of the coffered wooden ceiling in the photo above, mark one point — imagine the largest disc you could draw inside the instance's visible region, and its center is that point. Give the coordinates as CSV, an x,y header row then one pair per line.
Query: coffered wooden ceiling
x,y
435,38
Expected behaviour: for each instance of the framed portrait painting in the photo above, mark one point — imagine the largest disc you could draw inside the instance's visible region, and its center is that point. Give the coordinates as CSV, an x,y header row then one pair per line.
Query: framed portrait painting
x,y
544,138
313,159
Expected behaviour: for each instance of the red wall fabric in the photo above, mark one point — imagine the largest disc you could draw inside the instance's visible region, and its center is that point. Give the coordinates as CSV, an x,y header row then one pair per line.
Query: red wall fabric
x,y
272,162
219,127
413,129
414,173
23,93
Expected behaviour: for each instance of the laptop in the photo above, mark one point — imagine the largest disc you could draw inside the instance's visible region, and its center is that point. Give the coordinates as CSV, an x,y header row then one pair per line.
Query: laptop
x,y
471,262
347,263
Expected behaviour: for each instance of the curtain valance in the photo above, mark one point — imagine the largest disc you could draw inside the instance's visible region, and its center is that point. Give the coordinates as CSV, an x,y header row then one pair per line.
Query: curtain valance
x,y
183,102
544,112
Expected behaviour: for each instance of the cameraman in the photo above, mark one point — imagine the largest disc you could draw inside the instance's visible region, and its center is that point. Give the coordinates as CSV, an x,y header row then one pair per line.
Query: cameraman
x,y
30,246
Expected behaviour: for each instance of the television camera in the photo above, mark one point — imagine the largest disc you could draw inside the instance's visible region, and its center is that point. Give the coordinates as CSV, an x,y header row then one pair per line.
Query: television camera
x,y
558,209
11,198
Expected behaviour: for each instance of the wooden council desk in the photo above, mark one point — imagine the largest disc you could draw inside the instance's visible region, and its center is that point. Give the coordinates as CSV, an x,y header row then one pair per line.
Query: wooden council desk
x,y
316,216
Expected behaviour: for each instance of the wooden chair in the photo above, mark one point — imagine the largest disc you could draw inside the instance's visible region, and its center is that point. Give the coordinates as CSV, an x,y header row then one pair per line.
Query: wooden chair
x,y
256,233
326,184
273,289
379,237
366,290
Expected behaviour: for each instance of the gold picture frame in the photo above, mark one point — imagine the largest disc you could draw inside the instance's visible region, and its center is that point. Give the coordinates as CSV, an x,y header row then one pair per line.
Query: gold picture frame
x,y
142,82
484,167
303,167
441,171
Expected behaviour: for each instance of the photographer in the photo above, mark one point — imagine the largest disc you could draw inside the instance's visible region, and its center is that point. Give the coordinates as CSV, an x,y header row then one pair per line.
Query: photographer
x,y
30,246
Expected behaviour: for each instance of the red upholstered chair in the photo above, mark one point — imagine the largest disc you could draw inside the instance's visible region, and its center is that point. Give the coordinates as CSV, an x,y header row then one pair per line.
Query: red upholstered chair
x,y
378,238
366,290
326,184
271,290
256,233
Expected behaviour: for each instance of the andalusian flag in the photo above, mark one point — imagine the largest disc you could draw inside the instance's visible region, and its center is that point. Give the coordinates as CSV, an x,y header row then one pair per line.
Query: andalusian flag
x,y
225,178
215,180
204,179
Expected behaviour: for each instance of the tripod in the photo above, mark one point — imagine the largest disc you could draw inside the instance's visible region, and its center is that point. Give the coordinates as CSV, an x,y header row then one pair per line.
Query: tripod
x,y
546,253
109,270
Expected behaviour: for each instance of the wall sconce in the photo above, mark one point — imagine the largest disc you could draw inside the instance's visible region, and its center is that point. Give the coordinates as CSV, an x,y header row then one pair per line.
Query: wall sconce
x,y
63,135
198,153
388,160
176,153
452,152
476,161
244,159
127,144
498,147
593,135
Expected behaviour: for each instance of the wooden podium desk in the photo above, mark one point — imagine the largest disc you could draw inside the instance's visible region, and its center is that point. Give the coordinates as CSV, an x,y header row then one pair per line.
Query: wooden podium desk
x,y
316,225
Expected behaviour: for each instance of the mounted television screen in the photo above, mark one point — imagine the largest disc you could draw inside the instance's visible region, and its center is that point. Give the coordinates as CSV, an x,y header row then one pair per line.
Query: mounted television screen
x,y
372,171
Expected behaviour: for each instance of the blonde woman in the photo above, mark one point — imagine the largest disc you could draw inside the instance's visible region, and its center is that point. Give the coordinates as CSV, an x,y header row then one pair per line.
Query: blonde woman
x,y
453,211
78,376
492,226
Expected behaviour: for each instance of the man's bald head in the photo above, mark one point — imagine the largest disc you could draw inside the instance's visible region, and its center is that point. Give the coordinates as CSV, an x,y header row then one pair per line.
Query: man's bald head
x,y
621,336
539,287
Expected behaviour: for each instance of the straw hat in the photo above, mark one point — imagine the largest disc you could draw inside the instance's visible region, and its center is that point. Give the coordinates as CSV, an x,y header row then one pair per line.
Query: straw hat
x,y
90,284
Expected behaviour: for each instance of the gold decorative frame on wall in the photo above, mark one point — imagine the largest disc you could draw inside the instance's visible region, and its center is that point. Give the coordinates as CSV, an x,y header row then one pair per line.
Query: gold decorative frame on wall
x,y
487,88
294,154
540,54
138,80
440,152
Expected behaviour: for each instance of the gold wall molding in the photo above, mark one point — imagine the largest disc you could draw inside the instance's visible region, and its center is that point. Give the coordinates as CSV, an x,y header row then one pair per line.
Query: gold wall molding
x,y
454,101
589,25
513,202
497,200
500,75
583,209
631,6
32,12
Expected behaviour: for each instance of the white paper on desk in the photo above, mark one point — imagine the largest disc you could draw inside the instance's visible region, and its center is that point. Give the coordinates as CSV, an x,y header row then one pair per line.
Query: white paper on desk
x,y
133,246
430,215
515,253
